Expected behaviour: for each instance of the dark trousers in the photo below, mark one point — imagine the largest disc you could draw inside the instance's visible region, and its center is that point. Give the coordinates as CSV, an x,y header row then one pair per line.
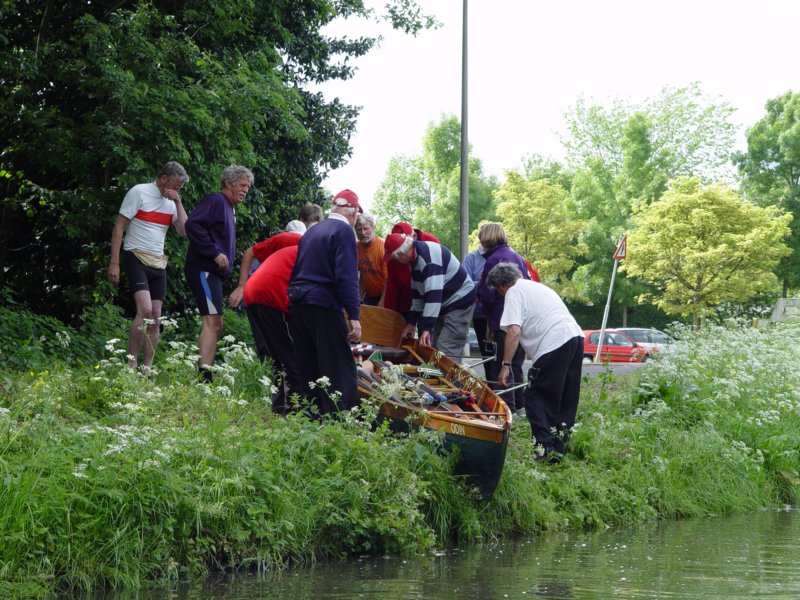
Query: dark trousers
x,y
479,325
323,350
516,399
273,327
258,337
551,401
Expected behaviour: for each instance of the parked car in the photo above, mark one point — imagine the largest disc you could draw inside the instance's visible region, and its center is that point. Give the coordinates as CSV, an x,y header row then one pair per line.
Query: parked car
x,y
617,347
649,339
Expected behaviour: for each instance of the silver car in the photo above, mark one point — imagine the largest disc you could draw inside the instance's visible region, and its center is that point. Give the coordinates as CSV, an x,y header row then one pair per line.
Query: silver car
x,y
650,339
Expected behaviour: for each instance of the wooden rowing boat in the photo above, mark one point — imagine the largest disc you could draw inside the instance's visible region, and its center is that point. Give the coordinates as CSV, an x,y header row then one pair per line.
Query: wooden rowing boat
x,y
438,394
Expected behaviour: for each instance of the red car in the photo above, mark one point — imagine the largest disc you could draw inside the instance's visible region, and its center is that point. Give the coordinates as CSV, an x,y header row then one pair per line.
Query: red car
x,y
617,347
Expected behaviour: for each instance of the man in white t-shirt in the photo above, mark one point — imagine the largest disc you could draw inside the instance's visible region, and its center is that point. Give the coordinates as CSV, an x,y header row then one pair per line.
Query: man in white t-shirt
x,y
144,217
536,317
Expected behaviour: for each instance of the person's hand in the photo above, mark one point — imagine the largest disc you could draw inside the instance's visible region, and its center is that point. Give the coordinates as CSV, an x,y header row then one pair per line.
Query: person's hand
x,y
355,331
235,299
113,273
171,194
222,261
502,377
425,339
408,332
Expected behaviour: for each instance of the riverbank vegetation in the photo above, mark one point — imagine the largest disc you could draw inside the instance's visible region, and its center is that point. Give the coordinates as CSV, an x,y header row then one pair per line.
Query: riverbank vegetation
x,y
112,478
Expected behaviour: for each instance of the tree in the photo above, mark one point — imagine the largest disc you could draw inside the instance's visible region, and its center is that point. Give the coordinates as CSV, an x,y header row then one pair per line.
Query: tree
x,y
703,245
623,156
98,95
771,171
425,189
541,228
403,191
536,167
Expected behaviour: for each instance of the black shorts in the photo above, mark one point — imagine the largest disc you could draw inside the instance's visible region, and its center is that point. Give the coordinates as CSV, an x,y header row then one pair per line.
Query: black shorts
x,y
206,288
144,278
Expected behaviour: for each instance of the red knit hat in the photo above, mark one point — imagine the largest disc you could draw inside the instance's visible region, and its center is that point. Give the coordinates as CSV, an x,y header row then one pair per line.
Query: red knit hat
x,y
392,242
347,198
403,227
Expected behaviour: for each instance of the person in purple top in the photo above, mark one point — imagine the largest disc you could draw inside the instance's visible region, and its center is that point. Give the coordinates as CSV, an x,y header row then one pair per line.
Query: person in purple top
x,y
473,265
493,238
212,242
324,282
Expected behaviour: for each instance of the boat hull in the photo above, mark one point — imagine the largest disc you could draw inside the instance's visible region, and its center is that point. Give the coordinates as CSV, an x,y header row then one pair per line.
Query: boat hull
x,y
479,428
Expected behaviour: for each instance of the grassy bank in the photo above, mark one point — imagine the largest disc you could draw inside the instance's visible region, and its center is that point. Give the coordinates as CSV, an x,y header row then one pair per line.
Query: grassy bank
x,y
111,478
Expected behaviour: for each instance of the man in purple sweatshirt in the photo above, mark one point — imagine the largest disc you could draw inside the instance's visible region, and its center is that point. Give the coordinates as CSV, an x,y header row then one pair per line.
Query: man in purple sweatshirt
x,y
212,242
324,282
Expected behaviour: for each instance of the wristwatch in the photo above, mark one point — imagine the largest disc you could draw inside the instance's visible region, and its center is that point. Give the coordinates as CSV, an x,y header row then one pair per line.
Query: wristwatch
x,y
506,364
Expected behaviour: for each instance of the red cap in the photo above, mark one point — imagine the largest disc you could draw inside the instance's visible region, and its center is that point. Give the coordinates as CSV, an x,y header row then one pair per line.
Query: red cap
x,y
403,227
392,242
347,198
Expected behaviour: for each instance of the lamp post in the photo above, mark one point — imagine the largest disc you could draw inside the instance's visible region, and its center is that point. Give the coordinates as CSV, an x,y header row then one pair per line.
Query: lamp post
x,y
464,190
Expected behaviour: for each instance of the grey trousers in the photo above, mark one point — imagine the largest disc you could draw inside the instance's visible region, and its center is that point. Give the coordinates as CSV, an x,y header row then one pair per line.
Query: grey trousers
x,y
451,331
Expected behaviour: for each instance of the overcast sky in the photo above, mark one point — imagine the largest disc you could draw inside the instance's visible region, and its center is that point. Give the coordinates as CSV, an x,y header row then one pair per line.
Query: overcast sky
x,y
530,60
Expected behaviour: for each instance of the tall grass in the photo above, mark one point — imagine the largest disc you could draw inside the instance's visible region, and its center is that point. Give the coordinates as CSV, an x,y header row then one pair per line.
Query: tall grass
x,y
110,478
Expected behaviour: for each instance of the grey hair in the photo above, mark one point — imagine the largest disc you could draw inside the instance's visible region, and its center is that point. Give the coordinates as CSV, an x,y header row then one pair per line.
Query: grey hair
x,y
403,248
504,273
344,210
365,218
173,169
234,173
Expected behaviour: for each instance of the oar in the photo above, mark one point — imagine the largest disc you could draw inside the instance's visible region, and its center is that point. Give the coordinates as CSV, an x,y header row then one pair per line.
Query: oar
x,y
416,383
485,360
511,389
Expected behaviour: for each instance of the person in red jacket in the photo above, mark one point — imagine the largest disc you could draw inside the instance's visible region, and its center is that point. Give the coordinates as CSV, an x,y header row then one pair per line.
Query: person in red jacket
x,y
265,295
398,294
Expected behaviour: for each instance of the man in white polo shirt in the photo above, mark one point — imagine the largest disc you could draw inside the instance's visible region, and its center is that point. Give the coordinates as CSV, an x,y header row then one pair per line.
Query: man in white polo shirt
x,y
144,218
536,317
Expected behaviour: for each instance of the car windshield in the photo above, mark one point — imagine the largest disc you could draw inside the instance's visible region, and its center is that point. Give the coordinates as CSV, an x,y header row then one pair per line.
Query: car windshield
x,y
638,335
617,339
661,338
649,336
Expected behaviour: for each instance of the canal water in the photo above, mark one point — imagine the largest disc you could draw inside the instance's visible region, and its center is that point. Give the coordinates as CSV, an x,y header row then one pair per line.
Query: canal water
x,y
743,556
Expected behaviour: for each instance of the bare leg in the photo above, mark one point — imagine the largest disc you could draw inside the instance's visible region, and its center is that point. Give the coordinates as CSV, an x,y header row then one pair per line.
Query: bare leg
x,y
210,330
153,333
138,336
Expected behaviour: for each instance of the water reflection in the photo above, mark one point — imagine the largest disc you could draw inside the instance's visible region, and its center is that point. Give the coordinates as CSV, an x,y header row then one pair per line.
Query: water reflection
x,y
747,556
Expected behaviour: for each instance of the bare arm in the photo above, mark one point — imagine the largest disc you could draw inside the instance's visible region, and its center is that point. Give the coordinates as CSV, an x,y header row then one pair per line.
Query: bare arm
x,y
236,295
116,243
512,342
180,222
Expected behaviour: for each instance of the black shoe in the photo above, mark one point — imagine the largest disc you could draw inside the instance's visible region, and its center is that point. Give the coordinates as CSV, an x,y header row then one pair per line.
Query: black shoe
x,y
549,456
206,375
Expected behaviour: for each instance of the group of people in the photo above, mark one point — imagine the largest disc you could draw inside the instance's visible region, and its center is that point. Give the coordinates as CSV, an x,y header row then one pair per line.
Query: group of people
x,y
297,284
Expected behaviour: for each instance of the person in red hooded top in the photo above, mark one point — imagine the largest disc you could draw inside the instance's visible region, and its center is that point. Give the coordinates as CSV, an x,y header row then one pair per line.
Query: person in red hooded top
x,y
265,295
398,294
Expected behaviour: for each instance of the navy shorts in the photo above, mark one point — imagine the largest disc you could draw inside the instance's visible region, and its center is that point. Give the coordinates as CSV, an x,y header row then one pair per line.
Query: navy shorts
x,y
144,278
206,288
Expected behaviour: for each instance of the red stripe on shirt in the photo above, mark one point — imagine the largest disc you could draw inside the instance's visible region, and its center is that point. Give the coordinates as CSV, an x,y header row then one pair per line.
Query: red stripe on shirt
x,y
158,218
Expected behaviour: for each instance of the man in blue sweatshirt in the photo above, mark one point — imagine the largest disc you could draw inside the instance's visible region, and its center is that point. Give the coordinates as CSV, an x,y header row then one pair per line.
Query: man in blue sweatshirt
x,y
212,243
324,282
